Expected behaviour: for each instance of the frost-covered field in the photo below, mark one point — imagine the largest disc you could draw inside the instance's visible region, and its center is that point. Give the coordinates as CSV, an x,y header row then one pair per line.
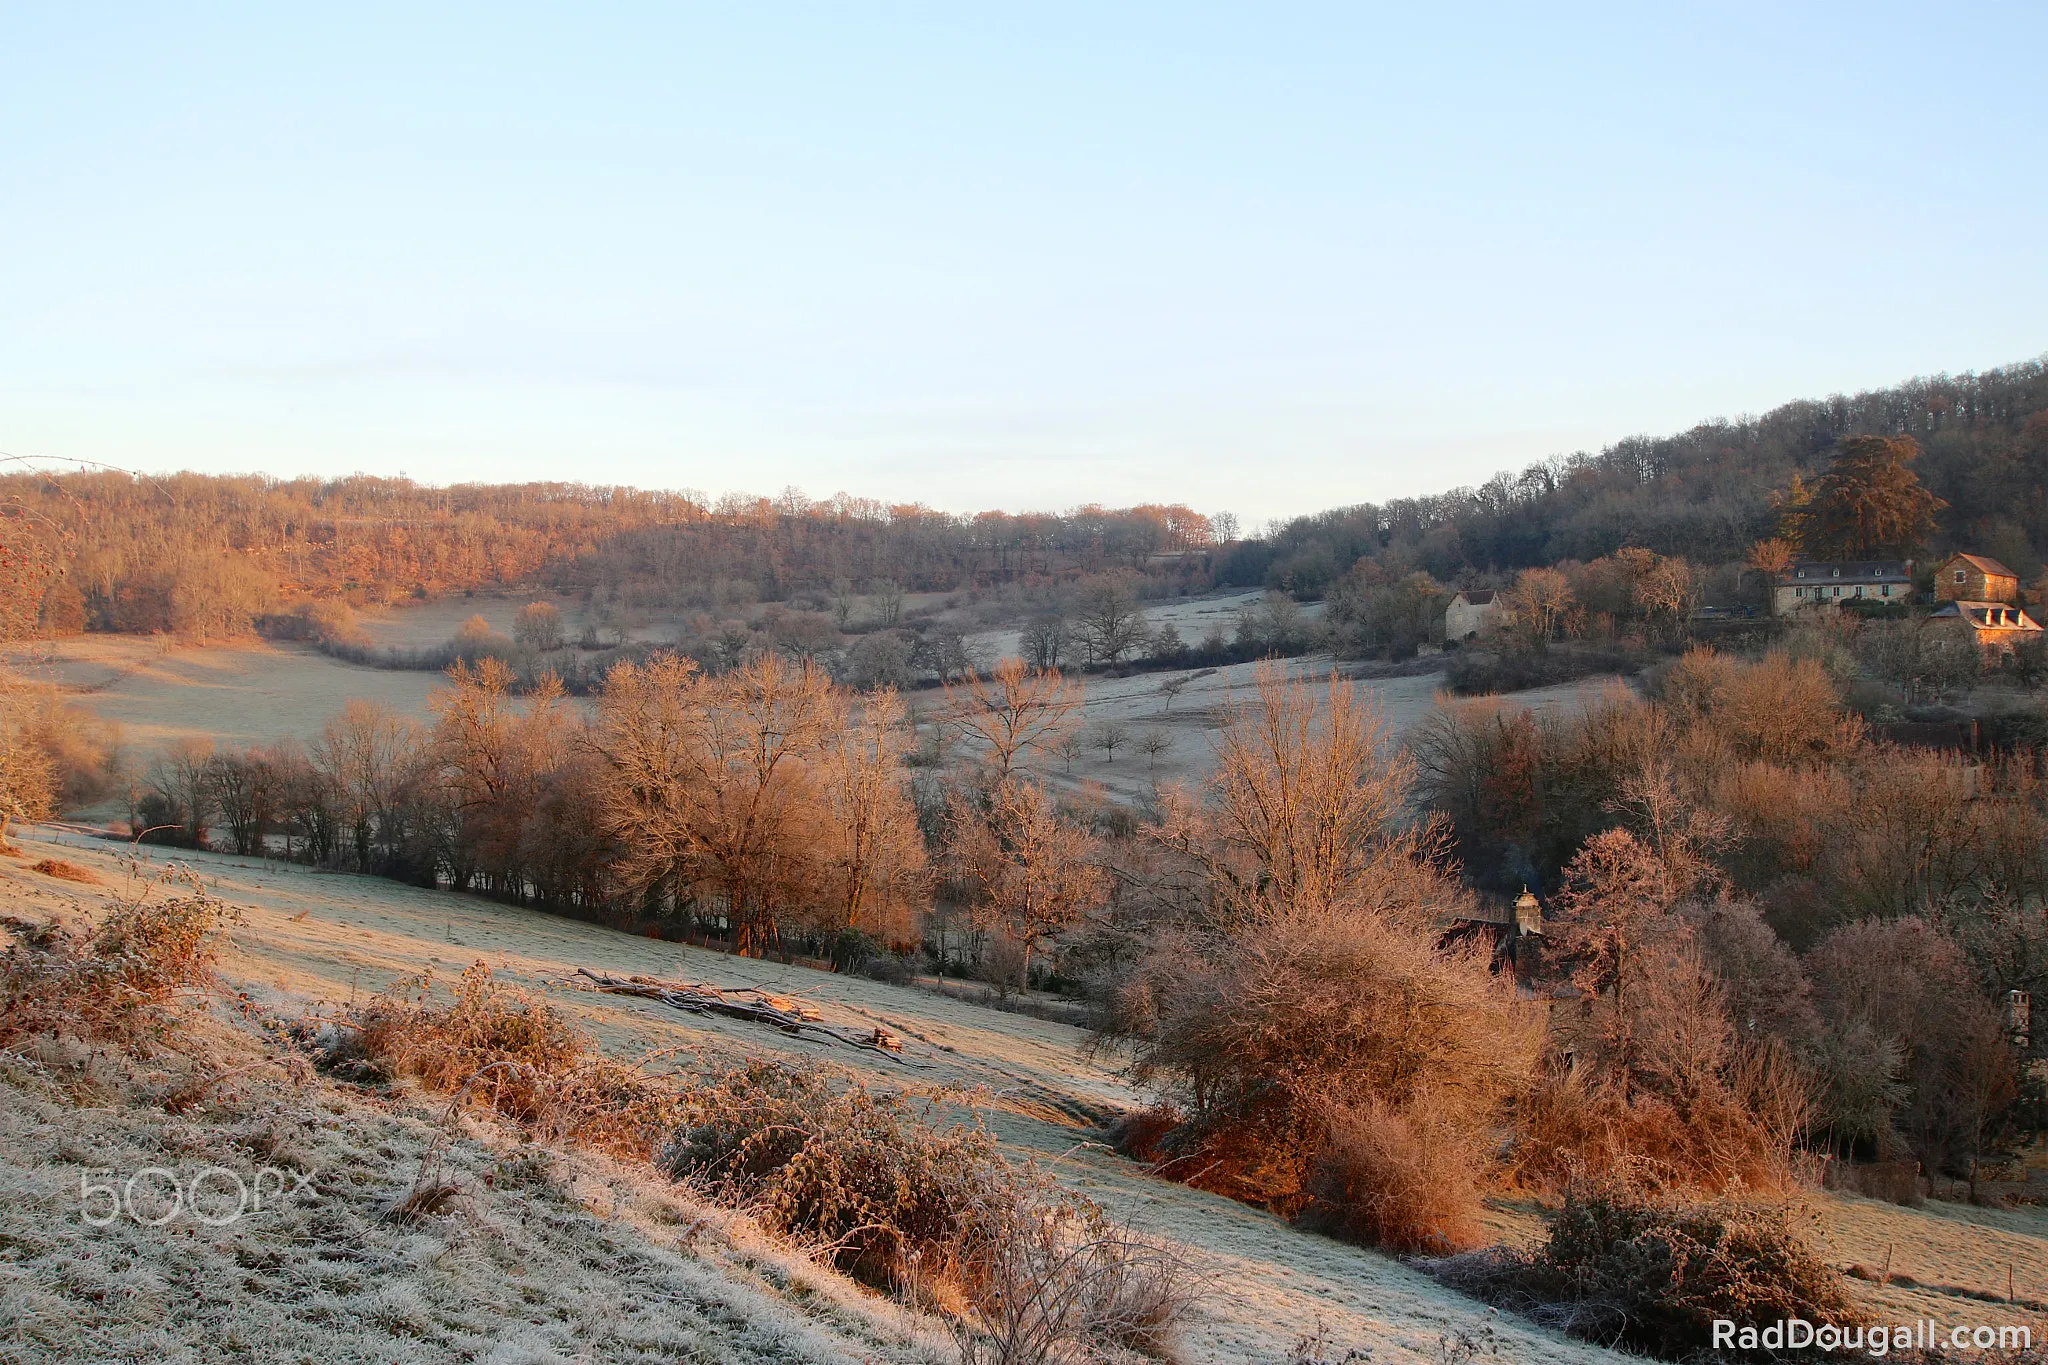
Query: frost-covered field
x,y
244,693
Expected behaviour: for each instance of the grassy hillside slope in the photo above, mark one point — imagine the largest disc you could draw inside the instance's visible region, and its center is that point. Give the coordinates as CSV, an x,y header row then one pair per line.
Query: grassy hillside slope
x,y
599,1245
308,938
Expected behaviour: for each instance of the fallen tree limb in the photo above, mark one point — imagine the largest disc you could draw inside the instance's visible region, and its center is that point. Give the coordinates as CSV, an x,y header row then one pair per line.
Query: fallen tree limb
x,y
750,1003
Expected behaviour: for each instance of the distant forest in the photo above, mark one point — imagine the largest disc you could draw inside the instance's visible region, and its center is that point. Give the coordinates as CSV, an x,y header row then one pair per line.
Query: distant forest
x,y
211,554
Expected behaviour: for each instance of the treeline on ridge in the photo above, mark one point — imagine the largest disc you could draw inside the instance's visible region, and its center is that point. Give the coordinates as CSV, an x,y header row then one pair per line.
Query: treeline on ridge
x,y
1705,495
210,555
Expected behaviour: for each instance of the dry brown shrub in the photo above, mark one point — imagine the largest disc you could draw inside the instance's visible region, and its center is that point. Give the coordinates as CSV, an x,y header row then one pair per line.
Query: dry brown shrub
x,y
66,871
1569,1129
932,1212
1140,1132
502,1048
1403,1180
1268,1036
866,1181
117,982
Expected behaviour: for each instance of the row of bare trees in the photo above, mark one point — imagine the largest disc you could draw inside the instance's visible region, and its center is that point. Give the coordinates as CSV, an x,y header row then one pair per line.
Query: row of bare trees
x,y
765,803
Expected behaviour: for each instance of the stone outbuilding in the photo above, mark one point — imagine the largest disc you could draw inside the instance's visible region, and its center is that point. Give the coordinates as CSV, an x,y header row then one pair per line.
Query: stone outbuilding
x,y
1469,612
1976,578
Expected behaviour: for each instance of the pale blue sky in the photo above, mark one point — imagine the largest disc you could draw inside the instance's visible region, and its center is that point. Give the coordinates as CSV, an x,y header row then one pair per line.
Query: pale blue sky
x,y
1267,259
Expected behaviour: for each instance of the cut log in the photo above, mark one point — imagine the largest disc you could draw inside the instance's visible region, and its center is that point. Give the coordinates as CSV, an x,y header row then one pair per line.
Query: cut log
x,y
748,1003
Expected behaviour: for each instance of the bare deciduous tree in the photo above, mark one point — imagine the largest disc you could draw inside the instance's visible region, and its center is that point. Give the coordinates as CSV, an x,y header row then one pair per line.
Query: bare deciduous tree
x,y
365,754
1537,611
538,628
1043,641
1013,710
1034,870
244,790
1109,736
28,778
872,850
1110,622
755,794
1304,801
888,600
493,757
182,780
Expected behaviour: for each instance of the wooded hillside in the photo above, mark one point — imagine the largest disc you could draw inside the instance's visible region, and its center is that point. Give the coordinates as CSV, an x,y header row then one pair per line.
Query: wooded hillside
x,y
1706,494
207,554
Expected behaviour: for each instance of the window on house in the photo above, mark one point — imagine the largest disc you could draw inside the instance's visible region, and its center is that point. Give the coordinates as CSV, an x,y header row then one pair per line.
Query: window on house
x,y
1961,576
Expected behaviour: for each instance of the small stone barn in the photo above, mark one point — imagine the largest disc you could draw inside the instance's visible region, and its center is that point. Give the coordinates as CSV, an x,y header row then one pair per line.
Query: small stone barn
x,y
1976,578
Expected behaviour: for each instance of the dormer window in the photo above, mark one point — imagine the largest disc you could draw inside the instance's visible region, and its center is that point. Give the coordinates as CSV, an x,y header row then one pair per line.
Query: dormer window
x,y
1838,573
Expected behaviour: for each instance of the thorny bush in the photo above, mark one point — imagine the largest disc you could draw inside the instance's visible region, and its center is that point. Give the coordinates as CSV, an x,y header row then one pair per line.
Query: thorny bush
x,y
891,1197
1627,1267
869,1181
502,1048
116,982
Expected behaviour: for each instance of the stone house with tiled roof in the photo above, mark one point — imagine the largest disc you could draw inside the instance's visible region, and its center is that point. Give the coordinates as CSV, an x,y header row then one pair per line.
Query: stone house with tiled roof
x,y
1812,585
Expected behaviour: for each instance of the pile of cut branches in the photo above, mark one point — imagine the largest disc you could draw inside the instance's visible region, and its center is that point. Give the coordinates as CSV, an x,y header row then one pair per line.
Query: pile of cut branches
x,y
749,1003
